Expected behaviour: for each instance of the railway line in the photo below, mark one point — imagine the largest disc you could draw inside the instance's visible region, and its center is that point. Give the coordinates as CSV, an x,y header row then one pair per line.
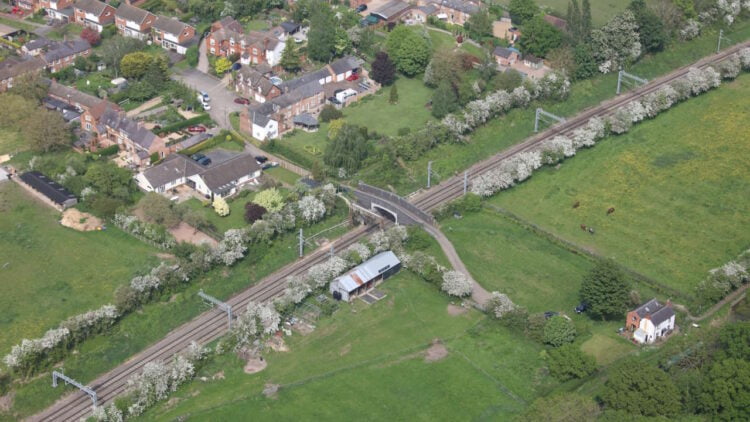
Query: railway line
x,y
211,325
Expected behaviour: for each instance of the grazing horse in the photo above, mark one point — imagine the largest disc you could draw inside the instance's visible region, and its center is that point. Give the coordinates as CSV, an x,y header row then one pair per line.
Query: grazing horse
x,y
577,204
583,227
591,230
610,210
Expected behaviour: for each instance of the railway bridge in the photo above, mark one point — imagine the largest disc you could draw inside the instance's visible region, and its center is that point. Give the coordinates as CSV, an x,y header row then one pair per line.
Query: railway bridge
x,y
390,206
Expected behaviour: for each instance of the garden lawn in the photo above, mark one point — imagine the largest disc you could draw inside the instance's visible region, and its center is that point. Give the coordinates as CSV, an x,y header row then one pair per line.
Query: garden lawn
x,y
369,365
501,255
442,40
679,185
512,128
141,329
10,141
49,272
235,219
282,175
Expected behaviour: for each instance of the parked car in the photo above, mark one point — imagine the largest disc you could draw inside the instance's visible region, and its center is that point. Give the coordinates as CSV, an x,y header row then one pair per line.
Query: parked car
x,y
352,77
196,129
550,314
206,106
243,101
197,156
204,96
361,8
582,307
270,165
261,159
204,161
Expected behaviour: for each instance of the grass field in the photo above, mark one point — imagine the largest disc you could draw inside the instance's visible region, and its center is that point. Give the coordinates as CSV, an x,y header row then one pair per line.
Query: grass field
x,y
679,184
50,272
601,10
282,175
367,362
10,141
140,329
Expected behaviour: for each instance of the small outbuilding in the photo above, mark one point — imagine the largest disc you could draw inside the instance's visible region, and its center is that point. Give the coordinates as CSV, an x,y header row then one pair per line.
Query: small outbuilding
x,y
306,122
365,276
49,189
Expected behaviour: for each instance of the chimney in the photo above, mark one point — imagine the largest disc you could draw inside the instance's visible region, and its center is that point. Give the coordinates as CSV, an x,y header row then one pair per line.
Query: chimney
x,y
669,303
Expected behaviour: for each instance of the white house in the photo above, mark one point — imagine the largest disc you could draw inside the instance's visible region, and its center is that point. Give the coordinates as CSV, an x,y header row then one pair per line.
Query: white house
x,y
650,321
365,276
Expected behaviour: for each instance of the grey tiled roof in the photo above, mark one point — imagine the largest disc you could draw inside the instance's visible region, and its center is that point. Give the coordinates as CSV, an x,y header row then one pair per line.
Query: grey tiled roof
x,y
94,7
460,5
135,132
174,167
502,52
63,92
132,13
64,49
169,25
11,67
38,43
345,64
225,174
391,9
305,119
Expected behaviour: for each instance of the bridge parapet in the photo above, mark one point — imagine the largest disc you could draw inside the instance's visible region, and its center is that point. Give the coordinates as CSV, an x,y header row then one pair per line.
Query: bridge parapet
x,y
411,213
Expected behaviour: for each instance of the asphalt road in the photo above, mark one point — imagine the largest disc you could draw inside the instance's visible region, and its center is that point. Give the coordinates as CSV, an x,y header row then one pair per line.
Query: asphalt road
x,y
222,100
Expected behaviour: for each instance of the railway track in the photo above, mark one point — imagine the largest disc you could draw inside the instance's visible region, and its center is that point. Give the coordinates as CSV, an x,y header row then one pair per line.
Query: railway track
x,y
212,324
452,188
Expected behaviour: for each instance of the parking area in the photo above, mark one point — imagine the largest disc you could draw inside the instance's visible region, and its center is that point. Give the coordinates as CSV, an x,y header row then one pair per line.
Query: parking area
x,y
222,100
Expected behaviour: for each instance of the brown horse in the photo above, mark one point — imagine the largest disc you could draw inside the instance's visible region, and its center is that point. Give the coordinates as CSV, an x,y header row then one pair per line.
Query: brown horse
x,y
610,210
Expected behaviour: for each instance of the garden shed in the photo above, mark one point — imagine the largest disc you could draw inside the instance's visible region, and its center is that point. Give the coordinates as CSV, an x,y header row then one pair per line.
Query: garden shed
x,y
365,276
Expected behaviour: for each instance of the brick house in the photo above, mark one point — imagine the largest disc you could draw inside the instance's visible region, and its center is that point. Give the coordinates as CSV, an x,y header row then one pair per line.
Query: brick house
x,y
251,83
171,34
505,56
30,6
93,14
227,38
134,22
61,10
456,12
92,108
12,68
60,55
650,321
138,142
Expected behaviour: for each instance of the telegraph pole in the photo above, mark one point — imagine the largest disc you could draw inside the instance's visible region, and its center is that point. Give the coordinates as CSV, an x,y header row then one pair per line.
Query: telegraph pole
x,y
466,181
301,243
721,38
68,380
429,173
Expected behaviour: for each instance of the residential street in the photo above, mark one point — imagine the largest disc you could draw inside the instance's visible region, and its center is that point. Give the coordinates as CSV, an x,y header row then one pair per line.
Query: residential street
x,y
222,100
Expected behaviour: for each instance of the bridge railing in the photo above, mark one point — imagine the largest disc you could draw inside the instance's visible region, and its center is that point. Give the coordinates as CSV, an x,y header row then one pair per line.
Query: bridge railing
x,y
395,199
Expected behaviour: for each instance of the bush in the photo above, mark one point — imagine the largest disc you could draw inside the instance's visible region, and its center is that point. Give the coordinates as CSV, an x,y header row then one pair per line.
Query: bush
x,y
329,113
418,239
174,127
110,150
191,55
568,362
558,331
253,212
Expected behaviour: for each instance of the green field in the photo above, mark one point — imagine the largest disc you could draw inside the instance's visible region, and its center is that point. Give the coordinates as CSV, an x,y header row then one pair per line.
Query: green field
x,y
601,10
679,184
141,329
369,365
282,175
10,142
49,272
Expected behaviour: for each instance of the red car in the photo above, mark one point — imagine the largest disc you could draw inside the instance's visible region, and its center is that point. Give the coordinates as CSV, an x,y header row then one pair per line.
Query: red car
x,y
352,77
196,129
243,101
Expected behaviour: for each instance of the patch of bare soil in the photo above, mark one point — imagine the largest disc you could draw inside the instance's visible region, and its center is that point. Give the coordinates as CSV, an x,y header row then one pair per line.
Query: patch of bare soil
x,y
346,349
218,376
454,310
254,365
277,344
303,328
270,390
162,255
80,221
186,233
6,402
436,352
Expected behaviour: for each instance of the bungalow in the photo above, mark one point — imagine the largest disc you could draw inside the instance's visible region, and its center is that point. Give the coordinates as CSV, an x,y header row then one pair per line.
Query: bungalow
x,y
505,56
93,14
219,180
61,10
60,55
456,12
391,11
134,22
171,34
12,68
365,276
650,321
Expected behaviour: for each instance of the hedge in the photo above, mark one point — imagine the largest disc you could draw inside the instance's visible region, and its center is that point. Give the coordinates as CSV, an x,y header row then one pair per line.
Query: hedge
x,y
212,142
174,127
110,150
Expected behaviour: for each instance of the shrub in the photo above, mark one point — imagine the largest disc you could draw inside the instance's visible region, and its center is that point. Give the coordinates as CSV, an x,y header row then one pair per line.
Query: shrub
x,y
221,207
457,284
254,212
270,199
558,331
329,112
568,362
499,305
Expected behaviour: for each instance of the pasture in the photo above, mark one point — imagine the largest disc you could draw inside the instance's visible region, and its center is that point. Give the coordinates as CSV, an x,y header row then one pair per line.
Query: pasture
x,y
679,185
49,272
601,10
10,142
368,362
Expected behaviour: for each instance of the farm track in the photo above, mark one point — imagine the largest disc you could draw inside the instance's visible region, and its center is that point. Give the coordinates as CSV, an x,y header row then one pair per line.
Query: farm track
x,y
211,325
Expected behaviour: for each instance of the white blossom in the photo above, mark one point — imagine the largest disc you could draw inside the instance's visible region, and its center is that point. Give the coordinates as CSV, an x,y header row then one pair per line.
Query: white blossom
x,y
621,121
107,414
311,208
456,284
297,289
731,67
499,304
491,182
745,58
455,125
636,110
232,247
362,251
586,136
144,283
691,29
257,319
525,163
521,97
557,148
321,274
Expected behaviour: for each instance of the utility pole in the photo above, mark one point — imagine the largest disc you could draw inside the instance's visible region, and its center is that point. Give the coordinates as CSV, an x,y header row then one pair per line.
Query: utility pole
x,y
466,181
301,243
221,305
633,78
68,380
721,38
541,115
429,173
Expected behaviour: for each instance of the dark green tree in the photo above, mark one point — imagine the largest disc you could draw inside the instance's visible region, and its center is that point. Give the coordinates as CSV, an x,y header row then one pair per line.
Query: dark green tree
x,y
734,340
651,30
606,290
559,331
383,69
408,50
290,59
586,18
348,149
640,389
479,25
444,100
726,391
585,64
574,19
539,37
321,38
521,11
568,362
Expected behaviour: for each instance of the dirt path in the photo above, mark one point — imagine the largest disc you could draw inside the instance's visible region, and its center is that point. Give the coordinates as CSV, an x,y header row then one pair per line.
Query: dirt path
x,y
733,297
143,107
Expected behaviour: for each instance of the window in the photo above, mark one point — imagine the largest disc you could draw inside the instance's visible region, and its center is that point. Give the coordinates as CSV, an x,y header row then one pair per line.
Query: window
x,y
88,126
213,41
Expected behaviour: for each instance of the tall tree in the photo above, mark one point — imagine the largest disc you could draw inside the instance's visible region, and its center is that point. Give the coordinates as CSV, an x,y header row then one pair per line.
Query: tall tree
x,y
540,37
290,59
46,130
409,50
30,85
641,389
606,290
574,19
651,31
383,69
726,393
116,48
586,19
444,100
479,25
522,10
348,149
321,38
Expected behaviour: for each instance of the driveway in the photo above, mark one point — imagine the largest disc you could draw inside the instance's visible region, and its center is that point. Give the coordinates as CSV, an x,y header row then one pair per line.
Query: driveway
x,y
202,58
222,100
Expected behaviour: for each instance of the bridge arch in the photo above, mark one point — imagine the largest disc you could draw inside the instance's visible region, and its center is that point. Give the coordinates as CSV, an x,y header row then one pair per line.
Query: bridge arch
x,y
385,212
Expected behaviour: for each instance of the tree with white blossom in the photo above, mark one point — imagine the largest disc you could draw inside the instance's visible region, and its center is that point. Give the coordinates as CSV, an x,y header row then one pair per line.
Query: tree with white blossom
x,y
456,284
745,58
616,43
311,208
731,67
232,247
321,274
586,136
499,304
256,320
556,149
110,413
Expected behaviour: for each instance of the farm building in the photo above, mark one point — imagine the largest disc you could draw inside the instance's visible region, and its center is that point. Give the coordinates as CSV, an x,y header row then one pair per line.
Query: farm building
x,y
365,276
650,321
50,189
